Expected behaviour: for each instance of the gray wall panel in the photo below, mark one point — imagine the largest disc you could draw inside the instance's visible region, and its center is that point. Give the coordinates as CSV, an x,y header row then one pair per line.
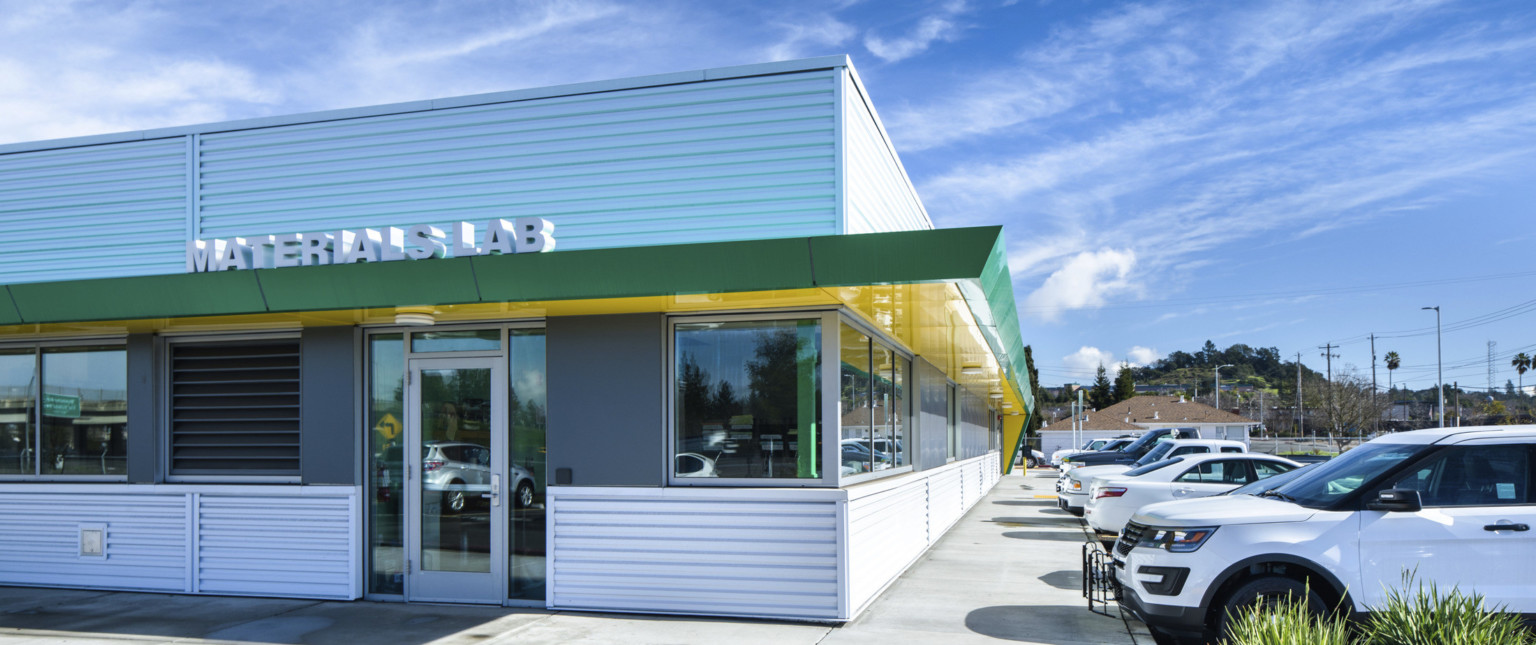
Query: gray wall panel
x,y
605,399
329,441
143,402
932,416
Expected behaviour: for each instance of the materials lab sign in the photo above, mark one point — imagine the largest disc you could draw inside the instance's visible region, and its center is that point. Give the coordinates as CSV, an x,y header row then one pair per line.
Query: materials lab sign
x,y
419,242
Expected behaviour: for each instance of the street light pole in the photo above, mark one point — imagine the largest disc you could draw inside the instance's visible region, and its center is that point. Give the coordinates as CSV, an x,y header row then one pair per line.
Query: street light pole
x,y
1439,367
1218,385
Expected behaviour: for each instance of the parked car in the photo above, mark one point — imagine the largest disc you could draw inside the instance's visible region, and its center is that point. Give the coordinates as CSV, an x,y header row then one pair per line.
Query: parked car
x,y
1072,485
1113,498
1095,445
856,454
692,464
460,473
1452,505
1132,451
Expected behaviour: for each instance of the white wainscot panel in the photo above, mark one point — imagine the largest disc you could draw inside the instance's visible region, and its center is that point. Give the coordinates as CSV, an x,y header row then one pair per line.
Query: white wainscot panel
x,y
229,540
746,552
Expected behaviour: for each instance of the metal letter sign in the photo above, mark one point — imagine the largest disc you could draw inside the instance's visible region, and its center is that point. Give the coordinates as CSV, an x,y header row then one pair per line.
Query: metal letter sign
x,y
419,242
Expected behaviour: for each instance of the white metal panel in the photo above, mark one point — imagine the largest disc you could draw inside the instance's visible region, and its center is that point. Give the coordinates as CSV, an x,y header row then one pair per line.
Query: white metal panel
x,y
887,531
880,198
230,540
945,504
145,540
744,158
748,552
92,212
275,546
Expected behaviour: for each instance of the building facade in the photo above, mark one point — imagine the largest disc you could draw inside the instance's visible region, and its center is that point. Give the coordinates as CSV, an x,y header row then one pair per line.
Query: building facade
x,y
685,344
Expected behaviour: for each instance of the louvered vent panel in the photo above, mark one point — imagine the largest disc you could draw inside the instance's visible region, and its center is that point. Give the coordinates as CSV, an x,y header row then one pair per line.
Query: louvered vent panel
x,y
235,408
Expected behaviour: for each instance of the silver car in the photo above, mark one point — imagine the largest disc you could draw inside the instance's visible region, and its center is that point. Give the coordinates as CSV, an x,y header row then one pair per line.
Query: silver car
x,y
461,472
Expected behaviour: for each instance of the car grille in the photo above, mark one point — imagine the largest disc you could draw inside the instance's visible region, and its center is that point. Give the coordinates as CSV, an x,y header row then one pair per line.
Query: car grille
x,y
1129,537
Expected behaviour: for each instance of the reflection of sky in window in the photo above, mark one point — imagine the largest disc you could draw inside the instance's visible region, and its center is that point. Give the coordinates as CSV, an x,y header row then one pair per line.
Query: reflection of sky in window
x,y
16,374
722,354
388,361
94,374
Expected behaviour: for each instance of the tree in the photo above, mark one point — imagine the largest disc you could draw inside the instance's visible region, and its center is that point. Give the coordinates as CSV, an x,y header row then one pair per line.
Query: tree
x,y
1345,406
1125,383
1101,396
1035,415
1393,362
1521,363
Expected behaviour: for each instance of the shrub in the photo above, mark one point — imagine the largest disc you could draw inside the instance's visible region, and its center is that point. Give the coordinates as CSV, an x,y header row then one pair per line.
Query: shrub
x,y
1421,615
1287,623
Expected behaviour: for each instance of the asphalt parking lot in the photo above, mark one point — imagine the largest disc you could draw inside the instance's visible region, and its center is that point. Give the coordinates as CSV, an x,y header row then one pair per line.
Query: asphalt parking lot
x,y
1009,571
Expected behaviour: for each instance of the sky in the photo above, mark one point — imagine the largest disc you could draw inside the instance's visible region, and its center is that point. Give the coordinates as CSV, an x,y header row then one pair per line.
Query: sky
x,y
1279,174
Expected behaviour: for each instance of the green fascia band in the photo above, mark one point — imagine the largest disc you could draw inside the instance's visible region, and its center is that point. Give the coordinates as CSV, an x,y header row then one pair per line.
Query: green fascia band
x,y
974,256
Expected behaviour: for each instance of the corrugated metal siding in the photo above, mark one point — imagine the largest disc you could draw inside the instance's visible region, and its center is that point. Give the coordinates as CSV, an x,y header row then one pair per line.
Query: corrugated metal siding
x,y
276,546
146,540
879,197
727,552
887,531
300,542
734,159
890,527
94,211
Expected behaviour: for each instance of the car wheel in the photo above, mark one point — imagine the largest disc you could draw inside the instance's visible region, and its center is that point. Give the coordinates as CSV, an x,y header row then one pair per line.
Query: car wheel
x,y
454,498
524,497
1264,592
1034,463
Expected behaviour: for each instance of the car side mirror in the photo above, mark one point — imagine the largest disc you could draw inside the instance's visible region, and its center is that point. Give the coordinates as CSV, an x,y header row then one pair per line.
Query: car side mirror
x,y
1397,500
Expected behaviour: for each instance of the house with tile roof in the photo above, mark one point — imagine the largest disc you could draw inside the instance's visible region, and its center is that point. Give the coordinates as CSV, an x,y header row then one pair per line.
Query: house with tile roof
x,y
1141,413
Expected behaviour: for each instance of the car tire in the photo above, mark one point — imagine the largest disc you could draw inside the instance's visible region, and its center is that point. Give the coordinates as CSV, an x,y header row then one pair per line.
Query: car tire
x,y
1034,463
1266,591
524,496
454,499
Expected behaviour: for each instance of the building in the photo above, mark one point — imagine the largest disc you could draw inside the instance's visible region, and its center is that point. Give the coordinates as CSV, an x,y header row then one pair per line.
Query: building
x,y
581,347
1147,412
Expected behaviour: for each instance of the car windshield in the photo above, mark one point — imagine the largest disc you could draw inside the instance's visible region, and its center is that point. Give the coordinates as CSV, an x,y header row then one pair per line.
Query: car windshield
x,y
1157,465
1156,454
1331,481
1269,483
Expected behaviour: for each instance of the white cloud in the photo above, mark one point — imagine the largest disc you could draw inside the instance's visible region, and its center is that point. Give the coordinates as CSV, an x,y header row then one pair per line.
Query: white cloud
x,y
1086,361
816,35
942,26
1142,355
1084,281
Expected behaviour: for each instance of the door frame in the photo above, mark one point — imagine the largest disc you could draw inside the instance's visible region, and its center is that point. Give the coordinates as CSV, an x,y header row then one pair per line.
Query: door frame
x,y
430,586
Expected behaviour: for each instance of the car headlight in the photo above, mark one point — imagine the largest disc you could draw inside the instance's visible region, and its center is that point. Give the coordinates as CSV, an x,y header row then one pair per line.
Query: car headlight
x,y
1184,540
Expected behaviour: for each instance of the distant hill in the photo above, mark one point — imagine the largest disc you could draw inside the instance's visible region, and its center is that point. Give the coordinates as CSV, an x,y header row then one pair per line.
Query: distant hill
x,y
1261,367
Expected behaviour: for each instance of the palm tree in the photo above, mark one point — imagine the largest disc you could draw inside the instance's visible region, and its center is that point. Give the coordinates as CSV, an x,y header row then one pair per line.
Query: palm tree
x,y
1393,362
1521,363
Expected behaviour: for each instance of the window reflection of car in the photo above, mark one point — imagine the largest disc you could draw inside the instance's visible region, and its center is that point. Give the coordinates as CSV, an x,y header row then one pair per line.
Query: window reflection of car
x,y
692,464
857,454
461,473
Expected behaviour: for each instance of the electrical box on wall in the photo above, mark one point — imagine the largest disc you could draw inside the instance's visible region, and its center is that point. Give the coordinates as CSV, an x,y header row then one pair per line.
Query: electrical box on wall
x,y
93,541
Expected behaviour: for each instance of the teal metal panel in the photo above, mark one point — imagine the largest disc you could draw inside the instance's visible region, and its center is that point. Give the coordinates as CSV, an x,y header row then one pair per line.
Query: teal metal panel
x,y
880,198
736,159
93,211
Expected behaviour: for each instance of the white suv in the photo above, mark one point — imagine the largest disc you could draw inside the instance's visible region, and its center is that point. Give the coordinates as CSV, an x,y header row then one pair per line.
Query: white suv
x,y
1453,504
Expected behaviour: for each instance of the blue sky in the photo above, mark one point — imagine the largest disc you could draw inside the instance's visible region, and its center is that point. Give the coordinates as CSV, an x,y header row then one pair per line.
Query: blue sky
x,y
1279,174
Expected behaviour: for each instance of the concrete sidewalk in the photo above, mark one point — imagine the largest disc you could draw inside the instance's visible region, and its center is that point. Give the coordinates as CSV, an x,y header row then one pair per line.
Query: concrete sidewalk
x,y
1008,571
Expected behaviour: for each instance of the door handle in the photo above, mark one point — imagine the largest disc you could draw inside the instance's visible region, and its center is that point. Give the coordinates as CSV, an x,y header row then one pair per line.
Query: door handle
x,y
1507,527
495,494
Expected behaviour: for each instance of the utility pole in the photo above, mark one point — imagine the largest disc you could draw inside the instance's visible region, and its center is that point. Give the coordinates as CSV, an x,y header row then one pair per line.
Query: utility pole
x,y
1376,420
1328,396
1439,366
1491,346
1457,386
1301,419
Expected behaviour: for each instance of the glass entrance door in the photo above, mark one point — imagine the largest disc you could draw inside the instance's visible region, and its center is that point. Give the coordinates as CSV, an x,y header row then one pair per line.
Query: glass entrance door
x,y
456,501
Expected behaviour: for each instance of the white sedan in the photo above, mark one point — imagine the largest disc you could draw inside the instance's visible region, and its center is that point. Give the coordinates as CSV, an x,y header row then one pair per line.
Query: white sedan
x,y
1112,499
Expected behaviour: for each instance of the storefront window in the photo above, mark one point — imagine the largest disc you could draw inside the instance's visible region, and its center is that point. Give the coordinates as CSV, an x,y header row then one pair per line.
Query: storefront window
x,y
18,412
83,396
857,404
527,405
386,476
747,397
460,340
